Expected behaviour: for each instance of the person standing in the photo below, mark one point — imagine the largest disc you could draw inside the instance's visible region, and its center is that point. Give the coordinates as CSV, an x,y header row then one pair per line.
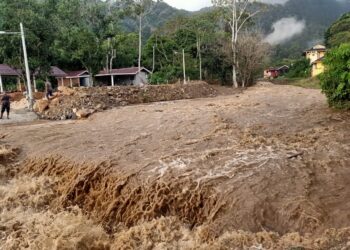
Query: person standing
x,y
48,89
5,105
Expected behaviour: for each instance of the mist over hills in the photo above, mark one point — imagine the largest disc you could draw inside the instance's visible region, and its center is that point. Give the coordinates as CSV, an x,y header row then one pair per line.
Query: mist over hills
x,y
309,19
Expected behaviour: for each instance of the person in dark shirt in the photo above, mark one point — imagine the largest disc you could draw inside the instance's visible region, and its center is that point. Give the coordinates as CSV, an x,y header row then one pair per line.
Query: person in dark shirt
x,y
48,89
5,105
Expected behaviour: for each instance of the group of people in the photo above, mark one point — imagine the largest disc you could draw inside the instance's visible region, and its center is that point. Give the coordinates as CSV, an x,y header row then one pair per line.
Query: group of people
x,y
6,100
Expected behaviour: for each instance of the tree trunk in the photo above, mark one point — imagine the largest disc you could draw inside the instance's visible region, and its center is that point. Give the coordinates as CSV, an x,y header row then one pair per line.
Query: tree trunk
x,y
234,58
200,58
154,58
113,56
234,76
140,41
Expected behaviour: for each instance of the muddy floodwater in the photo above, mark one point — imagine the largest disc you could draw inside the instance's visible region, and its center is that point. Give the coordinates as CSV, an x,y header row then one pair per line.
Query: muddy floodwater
x,y
265,169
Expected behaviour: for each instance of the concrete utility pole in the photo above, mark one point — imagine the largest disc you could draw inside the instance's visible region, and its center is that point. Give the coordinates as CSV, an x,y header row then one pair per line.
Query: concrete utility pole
x,y
1,85
30,92
140,42
154,58
29,86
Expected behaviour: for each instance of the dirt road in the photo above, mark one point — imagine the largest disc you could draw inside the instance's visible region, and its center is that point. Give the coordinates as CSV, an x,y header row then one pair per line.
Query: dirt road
x,y
190,174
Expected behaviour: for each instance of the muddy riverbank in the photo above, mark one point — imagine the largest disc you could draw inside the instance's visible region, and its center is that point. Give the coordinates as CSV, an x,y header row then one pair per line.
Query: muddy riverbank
x,y
264,169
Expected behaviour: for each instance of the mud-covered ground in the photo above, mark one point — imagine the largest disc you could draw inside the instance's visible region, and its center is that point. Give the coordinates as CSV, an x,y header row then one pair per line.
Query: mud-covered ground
x,y
265,169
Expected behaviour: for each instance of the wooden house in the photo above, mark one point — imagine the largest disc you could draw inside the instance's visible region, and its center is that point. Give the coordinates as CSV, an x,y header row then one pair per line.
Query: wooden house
x,y
271,73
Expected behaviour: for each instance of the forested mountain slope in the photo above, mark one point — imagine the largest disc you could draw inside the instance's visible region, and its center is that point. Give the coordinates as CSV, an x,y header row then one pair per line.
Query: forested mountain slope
x,y
317,15
339,32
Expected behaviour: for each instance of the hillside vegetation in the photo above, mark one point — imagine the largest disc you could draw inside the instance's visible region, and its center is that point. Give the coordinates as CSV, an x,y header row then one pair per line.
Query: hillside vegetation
x,y
317,14
339,32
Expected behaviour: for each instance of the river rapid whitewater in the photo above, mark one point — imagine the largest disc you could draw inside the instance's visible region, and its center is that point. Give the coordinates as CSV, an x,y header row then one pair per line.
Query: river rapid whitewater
x,y
266,169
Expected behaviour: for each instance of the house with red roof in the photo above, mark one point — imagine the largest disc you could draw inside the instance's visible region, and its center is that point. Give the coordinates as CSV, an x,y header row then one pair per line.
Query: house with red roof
x,y
125,76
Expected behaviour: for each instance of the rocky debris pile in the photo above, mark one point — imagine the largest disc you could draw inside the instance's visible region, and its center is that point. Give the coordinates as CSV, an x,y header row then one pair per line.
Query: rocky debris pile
x,y
82,102
21,104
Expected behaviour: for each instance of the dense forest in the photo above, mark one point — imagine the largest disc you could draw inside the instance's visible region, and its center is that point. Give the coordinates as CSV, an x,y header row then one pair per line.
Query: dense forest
x,y
95,34
339,32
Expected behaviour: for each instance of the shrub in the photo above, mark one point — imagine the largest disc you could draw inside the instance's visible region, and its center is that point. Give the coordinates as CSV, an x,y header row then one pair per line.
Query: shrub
x,y
300,68
167,74
40,85
335,81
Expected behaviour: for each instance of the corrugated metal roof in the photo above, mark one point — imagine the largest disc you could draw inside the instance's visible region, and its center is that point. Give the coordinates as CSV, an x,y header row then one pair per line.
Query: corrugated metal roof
x,y
6,70
57,72
123,71
77,73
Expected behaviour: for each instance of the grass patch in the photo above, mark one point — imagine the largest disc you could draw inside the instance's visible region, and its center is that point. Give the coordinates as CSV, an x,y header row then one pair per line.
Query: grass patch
x,y
308,83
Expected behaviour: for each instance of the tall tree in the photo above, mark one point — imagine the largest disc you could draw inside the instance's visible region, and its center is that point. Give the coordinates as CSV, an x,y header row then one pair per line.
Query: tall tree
x,y
141,8
204,26
37,17
237,14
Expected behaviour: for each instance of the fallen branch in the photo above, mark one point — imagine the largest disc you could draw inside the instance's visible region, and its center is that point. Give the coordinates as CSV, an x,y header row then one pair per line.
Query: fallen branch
x,y
295,155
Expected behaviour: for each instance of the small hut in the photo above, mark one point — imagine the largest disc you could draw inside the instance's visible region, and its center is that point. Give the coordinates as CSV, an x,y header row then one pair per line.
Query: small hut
x,y
55,72
77,79
124,76
7,71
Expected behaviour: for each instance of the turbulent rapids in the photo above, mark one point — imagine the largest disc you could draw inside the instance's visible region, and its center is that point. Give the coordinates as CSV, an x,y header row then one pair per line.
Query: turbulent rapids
x,y
215,173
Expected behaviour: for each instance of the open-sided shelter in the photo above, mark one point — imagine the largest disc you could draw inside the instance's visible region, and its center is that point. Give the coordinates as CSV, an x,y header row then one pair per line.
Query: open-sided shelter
x,y
7,71
124,76
77,79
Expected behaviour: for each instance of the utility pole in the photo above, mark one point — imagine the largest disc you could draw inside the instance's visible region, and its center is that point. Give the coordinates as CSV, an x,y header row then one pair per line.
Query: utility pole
x,y
1,85
30,93
140,41
29,86
184,65
154,58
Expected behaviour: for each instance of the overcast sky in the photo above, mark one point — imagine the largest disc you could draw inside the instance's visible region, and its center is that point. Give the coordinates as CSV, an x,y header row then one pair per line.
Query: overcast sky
x,y
198,4
189,4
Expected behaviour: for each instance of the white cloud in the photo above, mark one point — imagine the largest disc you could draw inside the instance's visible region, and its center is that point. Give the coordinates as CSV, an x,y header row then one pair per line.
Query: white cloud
x,y
192,5
285,29
275,1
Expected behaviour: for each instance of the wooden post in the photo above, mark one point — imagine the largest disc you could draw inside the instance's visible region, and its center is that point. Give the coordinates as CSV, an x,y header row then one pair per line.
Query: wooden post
x,y
62,82
34,81
71,82
19,86
1,85
112,79
154,58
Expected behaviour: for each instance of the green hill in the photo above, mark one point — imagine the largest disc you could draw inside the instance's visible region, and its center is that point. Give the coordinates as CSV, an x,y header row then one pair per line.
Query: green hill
x,y
339,32
160,14
317,14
